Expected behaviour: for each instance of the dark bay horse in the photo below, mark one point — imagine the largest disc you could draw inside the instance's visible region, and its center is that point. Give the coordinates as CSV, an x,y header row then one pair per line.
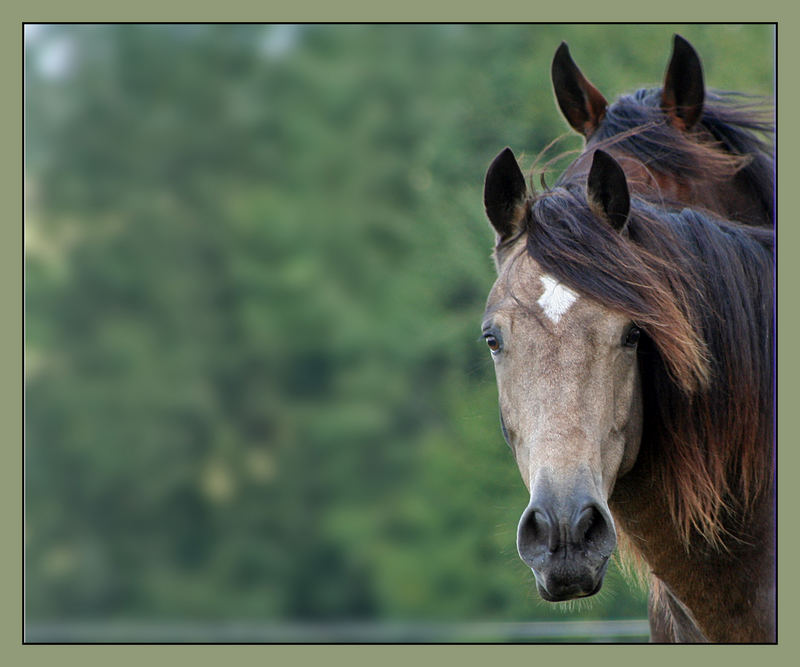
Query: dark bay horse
x,y
633,349
678,143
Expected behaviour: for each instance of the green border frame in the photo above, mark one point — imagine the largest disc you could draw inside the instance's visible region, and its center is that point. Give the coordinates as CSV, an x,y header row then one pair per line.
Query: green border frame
x,y
15,12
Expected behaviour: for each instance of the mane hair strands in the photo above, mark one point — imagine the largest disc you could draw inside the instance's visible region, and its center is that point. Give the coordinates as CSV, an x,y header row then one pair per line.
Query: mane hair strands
x,y
701,290
731,143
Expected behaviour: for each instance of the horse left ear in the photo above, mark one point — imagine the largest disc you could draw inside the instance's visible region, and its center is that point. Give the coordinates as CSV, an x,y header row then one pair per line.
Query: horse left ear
x,y
504,194
607,191
581,103
684,90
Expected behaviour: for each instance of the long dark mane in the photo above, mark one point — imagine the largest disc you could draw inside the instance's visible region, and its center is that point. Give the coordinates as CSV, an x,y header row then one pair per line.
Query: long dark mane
x,y
701,290
733,140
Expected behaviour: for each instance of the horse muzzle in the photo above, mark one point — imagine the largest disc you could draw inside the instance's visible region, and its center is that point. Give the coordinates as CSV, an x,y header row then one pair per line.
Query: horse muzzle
x,y
559,584
567,544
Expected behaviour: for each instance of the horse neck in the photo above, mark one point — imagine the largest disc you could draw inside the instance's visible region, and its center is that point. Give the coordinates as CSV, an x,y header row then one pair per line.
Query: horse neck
x,y
746,204
729,595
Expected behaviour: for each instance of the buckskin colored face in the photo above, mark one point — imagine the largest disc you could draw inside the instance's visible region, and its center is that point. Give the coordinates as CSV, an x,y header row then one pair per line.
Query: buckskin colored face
x,y
568,386
570,406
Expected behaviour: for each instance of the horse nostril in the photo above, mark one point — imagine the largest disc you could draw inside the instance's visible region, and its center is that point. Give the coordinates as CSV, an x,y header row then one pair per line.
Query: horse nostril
x,y
535,531
542,533
591,528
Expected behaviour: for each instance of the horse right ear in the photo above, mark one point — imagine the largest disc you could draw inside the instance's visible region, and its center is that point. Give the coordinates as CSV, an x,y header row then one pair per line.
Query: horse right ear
x,y
504,194
607,191
684,90
581,103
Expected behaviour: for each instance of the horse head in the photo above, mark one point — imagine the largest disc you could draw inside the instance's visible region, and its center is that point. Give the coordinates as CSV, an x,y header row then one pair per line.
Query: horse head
x,y
680,143
568,386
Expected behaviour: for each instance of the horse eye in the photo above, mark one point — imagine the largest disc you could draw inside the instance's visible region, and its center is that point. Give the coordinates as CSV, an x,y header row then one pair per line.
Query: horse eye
x,y
492,342
632,336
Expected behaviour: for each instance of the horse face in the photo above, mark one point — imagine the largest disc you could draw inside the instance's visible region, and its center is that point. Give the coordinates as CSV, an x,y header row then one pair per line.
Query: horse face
x,y
568,384
570,406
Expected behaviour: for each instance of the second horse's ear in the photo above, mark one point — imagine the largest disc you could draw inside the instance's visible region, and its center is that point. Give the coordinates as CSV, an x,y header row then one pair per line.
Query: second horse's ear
x,y
504,194
607,191
684,89
581,103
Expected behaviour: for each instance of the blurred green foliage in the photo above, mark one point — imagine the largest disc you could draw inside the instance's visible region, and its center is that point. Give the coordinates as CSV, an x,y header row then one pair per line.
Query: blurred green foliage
x,y
256,260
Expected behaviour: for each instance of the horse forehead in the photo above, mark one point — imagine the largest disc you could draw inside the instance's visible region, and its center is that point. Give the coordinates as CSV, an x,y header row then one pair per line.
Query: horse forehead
x,y
556,298
534,301
525,286
641,178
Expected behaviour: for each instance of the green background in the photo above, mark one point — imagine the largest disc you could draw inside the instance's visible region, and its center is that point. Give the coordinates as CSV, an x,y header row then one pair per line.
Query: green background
x,y
256,260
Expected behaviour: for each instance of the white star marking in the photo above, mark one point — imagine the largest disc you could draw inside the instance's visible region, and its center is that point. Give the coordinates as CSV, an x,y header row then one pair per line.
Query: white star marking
x,y
556,298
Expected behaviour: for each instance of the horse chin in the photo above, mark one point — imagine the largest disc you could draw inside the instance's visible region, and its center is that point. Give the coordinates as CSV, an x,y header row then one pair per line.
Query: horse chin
x,y
562,590
566,594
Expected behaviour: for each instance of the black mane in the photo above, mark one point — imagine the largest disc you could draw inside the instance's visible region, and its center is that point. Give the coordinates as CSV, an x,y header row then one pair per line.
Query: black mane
x,y
735,125
701,290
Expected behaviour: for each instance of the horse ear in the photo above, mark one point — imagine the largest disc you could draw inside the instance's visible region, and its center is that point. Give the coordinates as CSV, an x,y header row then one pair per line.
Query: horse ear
x,y
684,90
504,194
581,103
607,190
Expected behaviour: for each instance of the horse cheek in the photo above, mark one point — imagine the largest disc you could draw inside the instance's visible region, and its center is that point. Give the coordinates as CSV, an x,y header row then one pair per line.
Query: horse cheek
x,y
629,419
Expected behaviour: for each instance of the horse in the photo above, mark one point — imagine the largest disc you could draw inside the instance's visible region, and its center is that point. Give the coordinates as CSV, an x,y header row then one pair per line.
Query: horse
x,y
679,143
633,352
